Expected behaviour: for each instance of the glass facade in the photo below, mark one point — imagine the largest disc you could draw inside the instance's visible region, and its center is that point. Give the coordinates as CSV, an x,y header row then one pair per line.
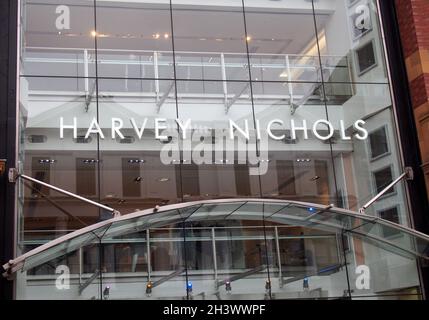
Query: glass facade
x,y
138,104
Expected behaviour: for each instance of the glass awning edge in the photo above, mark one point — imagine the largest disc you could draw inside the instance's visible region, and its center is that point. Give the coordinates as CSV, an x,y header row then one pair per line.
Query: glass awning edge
x,y
419,238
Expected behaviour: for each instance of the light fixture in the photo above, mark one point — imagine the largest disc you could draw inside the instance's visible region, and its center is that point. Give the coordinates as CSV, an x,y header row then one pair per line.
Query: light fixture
x,y
189,287
156,36
311,209
228,287
87,161
136,161
149,287
93,33
267,285
248,38
164,180
305,283
106,293
47,161
166,36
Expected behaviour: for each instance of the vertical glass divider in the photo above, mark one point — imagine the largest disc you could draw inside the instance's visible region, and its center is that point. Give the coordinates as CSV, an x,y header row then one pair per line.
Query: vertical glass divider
x,y
213,236
149,266
279,261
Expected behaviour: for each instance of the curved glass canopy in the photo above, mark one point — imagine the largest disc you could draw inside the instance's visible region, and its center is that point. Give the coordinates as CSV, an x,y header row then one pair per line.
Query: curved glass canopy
x,y
407,242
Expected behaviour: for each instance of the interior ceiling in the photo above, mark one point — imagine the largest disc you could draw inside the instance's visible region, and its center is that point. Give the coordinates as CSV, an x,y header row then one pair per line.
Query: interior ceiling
x,y
194,30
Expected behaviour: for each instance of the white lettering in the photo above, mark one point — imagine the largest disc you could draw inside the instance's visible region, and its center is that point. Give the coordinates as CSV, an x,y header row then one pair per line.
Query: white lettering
x,y
138,131
270,132
245,133
63,280
343,131
359,127
73,126
159,127
184,127
63,20
294,128
94,127
363,280
116,128
328,124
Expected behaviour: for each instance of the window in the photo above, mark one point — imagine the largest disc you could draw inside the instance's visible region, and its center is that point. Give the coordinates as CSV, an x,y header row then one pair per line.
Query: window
x,y
242,180
41,168
378,143
392,215
365,57
322,183
37,138
382,178
85,176
131,178
286,177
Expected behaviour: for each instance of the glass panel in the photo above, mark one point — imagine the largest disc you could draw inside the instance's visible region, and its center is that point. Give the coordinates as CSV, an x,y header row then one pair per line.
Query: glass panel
x,y
134,40
356,54
382,274
215,53
73,166
209,154
129,110
277,51
58,38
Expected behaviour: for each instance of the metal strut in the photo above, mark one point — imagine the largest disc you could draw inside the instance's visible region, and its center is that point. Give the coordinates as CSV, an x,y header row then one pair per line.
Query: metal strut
x,y
14,175
407,175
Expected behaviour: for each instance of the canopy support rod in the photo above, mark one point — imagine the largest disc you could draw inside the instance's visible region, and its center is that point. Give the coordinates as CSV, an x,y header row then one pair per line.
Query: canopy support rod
x,y
167,277
164,97
407,175
239,276
14,175
89,281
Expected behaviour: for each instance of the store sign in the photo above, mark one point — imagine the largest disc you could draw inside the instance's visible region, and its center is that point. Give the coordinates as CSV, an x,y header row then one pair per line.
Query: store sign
x,y
234,144
235,129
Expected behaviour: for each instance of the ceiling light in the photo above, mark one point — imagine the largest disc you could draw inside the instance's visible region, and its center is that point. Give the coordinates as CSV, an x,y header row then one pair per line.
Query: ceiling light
x,y
156,36
284,74
166,36
164,180
94,33
136,161
248,38
48,161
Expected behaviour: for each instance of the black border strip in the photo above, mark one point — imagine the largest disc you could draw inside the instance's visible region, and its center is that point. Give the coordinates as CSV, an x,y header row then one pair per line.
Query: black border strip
x,y
406,123
8,129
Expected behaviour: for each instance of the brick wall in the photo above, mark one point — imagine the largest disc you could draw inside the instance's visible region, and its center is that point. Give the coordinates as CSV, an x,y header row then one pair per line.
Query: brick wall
x,y
413,19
